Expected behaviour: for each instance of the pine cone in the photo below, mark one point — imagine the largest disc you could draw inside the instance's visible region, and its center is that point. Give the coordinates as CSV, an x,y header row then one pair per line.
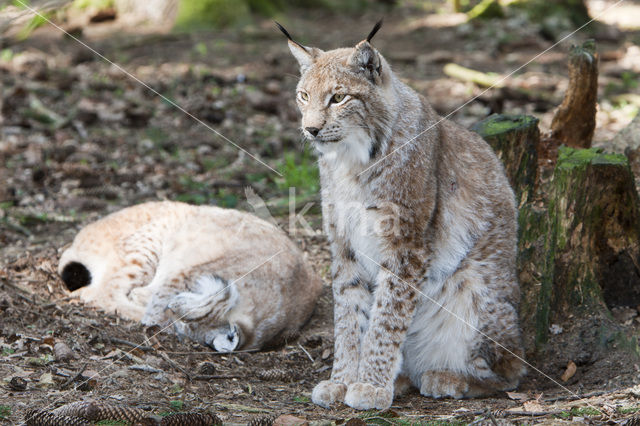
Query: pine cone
x,y
633,421
191,419
96,411
261,421
276,375
46,418
207,368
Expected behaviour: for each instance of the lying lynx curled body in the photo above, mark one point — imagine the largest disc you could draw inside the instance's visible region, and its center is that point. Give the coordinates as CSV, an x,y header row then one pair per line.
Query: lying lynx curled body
x,y
231,280
422,226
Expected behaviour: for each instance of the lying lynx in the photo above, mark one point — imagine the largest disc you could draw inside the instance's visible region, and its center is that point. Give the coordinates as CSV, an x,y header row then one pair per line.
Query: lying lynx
x,y
422,226
229,279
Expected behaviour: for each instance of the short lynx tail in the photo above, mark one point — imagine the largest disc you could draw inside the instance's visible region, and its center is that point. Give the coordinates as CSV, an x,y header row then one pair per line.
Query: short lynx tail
x,y
75,275
210,296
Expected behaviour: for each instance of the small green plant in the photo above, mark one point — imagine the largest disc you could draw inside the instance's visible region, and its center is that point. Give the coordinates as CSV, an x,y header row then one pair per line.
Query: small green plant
x,y
580,412
176,405
299,172
629,80
40,361
157,135
5,411
214,163
6,350
6,55
301,399
98,4
112,423
201,49
225,198
206,13
628,410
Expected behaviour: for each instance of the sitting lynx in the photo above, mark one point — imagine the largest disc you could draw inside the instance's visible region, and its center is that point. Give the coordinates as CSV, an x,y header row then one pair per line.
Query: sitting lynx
x,y
229,279
422,226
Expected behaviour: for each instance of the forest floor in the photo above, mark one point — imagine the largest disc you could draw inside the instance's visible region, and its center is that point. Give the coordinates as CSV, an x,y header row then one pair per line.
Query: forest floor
x,y
80,139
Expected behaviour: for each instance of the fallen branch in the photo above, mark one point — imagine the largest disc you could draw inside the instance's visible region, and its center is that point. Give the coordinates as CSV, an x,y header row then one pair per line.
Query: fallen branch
x,y
473,76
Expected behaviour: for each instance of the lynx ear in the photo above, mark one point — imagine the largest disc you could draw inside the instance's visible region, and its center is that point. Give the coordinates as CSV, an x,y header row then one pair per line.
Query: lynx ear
x,y
304,55
365,59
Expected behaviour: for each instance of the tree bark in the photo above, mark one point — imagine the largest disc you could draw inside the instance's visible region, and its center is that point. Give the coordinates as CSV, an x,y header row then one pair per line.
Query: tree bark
x,y
575,119
515,140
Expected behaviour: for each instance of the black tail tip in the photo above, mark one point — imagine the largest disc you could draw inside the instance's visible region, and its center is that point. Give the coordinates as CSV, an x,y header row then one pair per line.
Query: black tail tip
x,y
75,275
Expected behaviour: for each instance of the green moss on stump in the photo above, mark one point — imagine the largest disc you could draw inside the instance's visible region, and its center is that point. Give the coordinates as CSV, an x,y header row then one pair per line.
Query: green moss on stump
x,y
497,124
515,140
570,158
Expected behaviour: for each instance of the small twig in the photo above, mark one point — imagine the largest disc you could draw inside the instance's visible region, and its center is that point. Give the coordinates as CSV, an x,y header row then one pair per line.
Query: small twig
x,y
378,418
174,364
146,368
492,418
305,351
17,287
55,303
575,397
240,407
507,413
143,348
212,352
216,376
75,377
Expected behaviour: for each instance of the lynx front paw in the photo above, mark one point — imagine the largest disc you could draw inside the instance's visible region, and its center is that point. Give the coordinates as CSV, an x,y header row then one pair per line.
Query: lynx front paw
x,y
327,392
365,396
442,384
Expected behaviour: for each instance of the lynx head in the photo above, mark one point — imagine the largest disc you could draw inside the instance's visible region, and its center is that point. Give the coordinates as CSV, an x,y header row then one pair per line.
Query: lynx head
x,y
346,98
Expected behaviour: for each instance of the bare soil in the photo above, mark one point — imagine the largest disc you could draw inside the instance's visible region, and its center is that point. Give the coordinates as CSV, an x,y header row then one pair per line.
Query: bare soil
x,y
80,139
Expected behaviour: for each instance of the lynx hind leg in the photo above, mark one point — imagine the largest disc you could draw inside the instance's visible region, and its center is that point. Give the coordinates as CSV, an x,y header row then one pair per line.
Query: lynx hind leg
x,y
446,384
481,379
210,296
202,313
186,299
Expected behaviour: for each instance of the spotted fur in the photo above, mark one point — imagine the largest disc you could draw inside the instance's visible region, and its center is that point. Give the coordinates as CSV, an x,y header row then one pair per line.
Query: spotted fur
x,y
422,226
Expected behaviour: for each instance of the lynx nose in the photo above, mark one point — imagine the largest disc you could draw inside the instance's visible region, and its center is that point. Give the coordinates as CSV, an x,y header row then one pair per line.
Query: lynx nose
x,y
313,130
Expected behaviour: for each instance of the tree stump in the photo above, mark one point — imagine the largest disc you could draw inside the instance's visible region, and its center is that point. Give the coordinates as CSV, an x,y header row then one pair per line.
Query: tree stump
x,y
578,235
575,119
579,257
515,140
593,213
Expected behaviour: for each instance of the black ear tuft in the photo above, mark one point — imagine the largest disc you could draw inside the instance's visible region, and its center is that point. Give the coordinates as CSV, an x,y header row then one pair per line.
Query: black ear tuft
x,y
75,275
284,31
374,30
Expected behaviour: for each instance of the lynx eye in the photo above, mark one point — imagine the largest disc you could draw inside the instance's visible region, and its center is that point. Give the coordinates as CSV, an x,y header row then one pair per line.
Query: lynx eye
x,y
303,96
337,98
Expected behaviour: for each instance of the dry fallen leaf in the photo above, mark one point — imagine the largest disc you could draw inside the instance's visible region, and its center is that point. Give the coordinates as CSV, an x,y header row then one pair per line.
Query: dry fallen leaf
x,y
569,372
289,420
532,407
518,396
46,379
